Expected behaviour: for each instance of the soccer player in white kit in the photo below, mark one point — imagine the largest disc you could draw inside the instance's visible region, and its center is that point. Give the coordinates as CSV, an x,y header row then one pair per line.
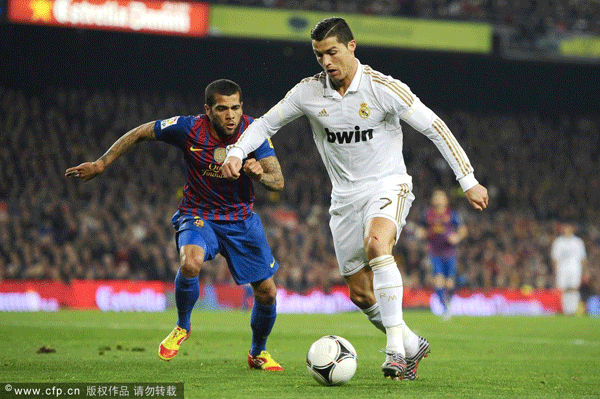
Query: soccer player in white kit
x,y
568,257
355,113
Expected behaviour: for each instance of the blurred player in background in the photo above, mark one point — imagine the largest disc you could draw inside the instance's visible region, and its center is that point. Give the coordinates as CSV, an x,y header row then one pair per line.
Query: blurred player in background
x,y
355,114
444,229
568,258
215,214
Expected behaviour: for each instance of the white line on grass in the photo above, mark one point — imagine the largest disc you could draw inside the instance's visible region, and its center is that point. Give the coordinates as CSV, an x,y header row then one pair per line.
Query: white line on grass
x,y
166,327
524,340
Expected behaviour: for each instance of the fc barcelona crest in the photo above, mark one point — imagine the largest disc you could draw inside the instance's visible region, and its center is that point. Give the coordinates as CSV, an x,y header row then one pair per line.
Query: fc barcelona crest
x,y
364,111
220,154
198,222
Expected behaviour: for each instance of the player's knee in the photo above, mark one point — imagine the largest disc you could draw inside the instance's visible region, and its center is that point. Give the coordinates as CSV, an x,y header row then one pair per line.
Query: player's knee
x,y
191,258
439,281
376,247
190,266
265,298
265,293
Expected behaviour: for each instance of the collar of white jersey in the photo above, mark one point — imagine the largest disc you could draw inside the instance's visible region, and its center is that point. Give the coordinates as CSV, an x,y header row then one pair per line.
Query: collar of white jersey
x,y
329,91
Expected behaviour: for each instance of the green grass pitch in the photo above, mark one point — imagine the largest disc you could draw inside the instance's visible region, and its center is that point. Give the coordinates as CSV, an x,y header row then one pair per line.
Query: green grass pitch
x,y
508,357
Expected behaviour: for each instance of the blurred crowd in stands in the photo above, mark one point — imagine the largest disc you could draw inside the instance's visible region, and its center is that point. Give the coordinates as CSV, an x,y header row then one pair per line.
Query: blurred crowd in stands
x,y
539,170
531,20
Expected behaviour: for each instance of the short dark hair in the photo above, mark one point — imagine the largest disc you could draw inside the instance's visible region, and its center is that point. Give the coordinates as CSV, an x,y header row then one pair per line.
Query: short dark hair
x,y
330,27
224,87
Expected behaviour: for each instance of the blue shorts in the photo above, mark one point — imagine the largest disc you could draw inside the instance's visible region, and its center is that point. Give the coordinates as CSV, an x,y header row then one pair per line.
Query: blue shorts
x,y
445,266
243,244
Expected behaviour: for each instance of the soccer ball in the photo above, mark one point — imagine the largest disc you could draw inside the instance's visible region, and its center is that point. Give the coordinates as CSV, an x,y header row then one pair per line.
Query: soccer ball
x,y
331,360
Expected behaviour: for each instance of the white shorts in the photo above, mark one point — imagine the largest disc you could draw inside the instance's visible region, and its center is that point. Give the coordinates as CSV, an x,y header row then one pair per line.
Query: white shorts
x,y
349,219
568,278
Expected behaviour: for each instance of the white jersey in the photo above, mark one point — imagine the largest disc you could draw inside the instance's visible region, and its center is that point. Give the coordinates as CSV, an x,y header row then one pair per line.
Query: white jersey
x,y
358,134
568,252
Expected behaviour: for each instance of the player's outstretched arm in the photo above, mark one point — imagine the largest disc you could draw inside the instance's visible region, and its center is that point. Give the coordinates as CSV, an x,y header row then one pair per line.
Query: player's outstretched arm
x,y
266,171
88,170
478,197
260,130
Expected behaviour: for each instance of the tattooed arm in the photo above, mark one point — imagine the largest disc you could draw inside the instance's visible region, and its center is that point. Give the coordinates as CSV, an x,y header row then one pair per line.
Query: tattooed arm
x,y
267,171
88,170
272,177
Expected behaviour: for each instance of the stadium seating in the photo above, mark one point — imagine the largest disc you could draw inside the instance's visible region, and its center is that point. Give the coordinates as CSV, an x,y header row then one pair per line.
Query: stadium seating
x,y
538,169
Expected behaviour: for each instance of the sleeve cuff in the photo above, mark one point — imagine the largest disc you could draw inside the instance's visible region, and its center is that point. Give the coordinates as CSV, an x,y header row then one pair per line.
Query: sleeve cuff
x,y
157,130
235,152
468,182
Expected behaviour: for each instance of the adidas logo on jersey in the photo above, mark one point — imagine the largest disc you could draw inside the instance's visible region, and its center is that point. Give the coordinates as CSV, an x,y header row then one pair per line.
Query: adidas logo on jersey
x,y
355,135
323,112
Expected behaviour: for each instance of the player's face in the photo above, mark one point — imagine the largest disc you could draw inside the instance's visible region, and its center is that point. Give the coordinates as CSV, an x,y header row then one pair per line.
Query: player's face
x,y
225,114
335,58
439,199
568,229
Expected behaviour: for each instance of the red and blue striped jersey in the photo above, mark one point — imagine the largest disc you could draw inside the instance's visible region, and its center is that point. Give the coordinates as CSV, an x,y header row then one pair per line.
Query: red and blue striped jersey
x,y
206,193
439,226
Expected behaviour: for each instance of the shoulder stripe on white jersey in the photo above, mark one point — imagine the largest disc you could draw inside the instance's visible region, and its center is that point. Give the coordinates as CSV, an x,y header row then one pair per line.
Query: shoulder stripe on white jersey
x,y
396,88
318,77
453,145
391,84
403,94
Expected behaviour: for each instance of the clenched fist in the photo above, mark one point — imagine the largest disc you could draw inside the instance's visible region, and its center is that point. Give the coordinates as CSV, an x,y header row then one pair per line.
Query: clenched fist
x,y
253,169
231,168
478,197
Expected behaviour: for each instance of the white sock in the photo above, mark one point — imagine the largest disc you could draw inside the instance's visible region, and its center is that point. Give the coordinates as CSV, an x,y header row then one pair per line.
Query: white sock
x,y
570,302
411,340
387,285
395,340
374,316
576,299
566,302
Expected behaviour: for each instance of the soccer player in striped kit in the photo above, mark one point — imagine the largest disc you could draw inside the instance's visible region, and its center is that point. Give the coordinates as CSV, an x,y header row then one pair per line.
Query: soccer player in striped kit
x,y
355,112
215,214
444,229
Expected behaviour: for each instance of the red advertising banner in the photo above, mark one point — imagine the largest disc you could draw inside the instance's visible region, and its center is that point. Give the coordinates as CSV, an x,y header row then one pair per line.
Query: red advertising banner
x,y
118,295
160,17
416,298
335,300
156,296
505,302
33,295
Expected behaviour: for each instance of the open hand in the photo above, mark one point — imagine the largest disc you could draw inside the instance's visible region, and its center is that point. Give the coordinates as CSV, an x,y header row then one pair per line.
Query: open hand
x,y
86,171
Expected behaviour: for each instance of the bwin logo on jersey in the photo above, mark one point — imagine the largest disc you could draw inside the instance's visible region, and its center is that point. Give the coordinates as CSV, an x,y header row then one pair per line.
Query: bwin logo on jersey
x,y
355,135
